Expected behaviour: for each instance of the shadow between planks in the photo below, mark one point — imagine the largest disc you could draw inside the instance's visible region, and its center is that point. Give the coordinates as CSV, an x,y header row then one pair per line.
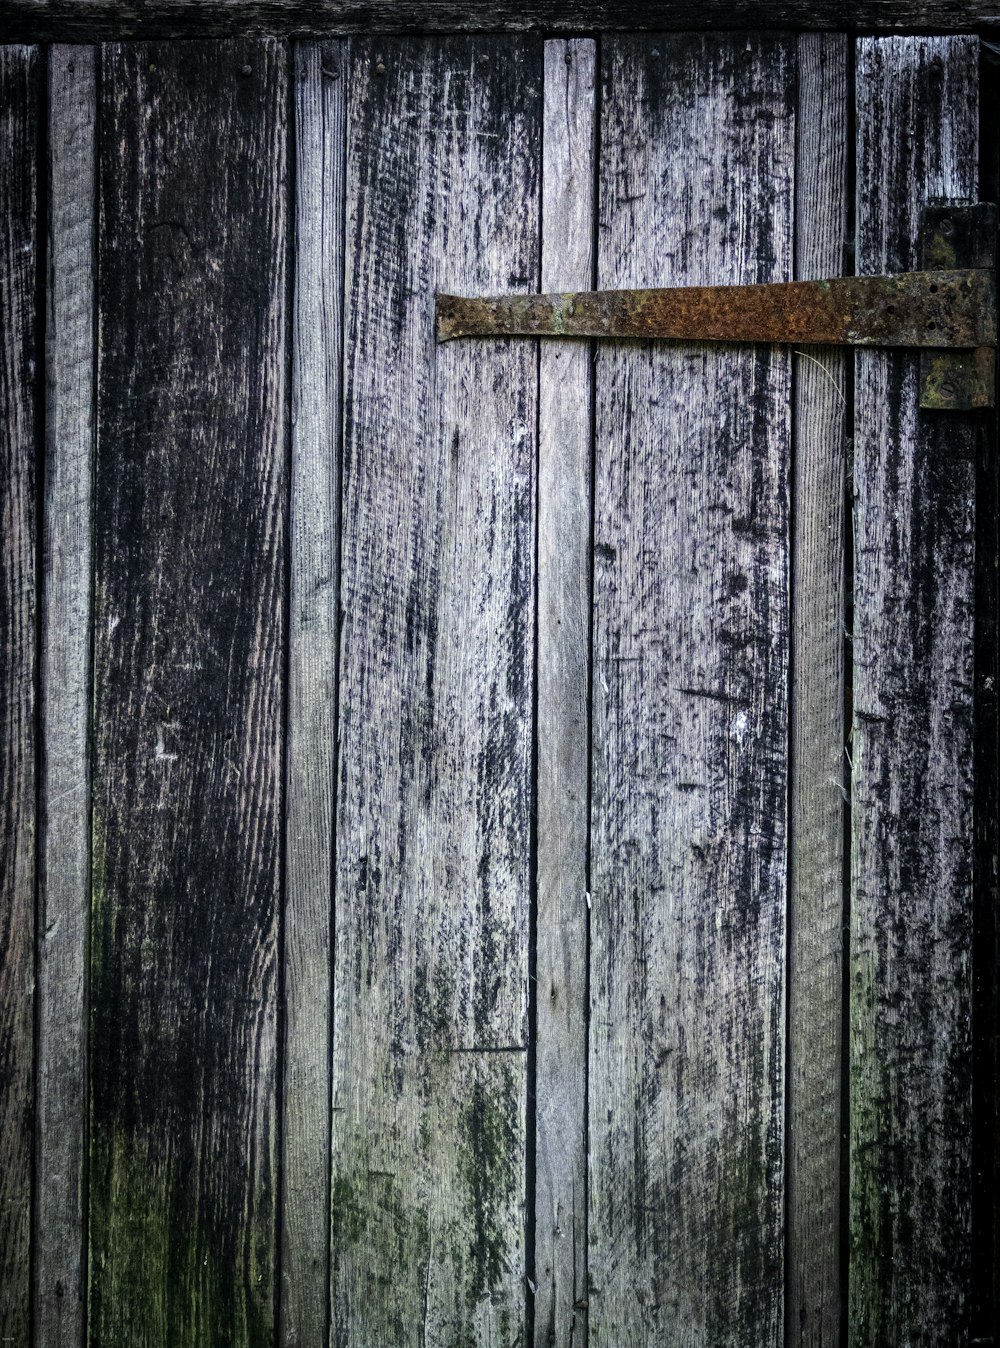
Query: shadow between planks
x,y
405,711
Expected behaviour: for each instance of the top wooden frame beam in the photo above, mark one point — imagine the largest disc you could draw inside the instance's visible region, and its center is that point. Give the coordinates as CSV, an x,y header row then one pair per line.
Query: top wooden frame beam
x,y
90,20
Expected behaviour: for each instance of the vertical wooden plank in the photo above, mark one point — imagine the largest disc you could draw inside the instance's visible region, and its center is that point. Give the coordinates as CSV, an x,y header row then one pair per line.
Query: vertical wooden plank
x,y
320,70
189,641
984,1311
564,508
914,480
64,841
689,739
817,806
435,721
19,123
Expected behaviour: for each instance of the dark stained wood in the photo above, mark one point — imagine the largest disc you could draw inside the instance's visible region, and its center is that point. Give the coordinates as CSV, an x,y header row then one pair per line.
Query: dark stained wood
x,y
817,783
911,903
189,619
64,835
435,723
44,20
317,358
20,86
691,603
564,511
985,1307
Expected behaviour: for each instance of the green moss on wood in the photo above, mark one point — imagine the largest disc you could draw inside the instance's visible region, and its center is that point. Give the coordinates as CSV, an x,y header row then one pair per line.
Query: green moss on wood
x,y
430,1216
157,1273
869,1217
489,1170
347,1215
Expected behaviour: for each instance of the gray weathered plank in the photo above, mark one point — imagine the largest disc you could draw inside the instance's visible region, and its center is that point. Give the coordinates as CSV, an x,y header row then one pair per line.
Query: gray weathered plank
x,y
189,645
564,509
817,769
689,736
911,906
64,841
19,125
61,20
320,70
435,719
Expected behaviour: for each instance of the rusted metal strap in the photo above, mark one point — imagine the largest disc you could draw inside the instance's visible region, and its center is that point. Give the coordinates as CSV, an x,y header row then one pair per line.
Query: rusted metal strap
x,y
939,309
948,310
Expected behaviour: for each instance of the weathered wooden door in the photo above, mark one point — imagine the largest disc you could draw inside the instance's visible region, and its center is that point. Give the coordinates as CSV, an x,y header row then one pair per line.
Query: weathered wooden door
x,y
489,841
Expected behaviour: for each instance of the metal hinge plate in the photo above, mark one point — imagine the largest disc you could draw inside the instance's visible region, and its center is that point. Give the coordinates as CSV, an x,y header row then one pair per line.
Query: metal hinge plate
x,y
960,234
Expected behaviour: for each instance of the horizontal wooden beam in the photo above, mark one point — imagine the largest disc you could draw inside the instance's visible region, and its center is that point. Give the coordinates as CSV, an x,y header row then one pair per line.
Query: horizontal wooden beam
x,y
85,20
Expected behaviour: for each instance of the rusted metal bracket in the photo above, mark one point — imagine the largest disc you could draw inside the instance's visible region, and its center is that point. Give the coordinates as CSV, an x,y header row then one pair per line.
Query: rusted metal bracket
x,y
957,234
948,310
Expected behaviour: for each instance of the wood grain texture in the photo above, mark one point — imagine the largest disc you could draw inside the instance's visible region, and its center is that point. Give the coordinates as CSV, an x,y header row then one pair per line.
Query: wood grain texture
x,y
320,71
61,20
435,723
19,126
564,511
985,1299
64,841
914,482
817,776
690,699
189,642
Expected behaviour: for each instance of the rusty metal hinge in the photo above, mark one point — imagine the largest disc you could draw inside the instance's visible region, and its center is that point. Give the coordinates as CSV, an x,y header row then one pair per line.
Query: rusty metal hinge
x,y
948,310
